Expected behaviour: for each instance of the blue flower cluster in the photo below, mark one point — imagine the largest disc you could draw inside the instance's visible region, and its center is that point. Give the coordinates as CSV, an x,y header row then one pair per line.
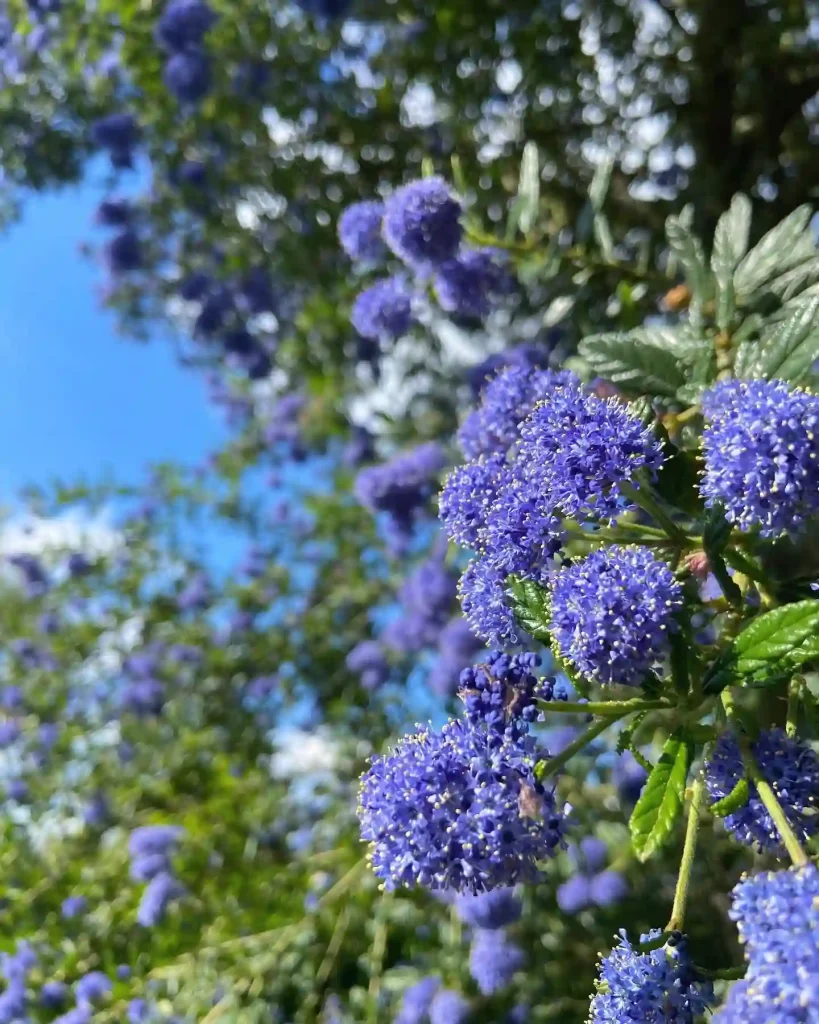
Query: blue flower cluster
x,y
761,450
401,487
180,31
792,770
359,231
496,908
426,598
460,808
540,449
367,661
420,224
777,913
501,694
118,135
493,960
150,848
612,613
658,987
591,884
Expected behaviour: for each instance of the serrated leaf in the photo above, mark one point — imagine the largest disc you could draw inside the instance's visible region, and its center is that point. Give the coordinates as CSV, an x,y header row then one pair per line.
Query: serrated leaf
x,y
737,798
661,801
633,363
788,350
528,188
530,604
626,737
792,282
774,253
770,648
730,245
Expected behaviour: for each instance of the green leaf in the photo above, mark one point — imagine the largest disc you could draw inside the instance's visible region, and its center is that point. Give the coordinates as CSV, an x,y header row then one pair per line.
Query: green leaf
x,y
530,603
737,798
528,197
792,282
770,648
730,245
688,250
638,362
598,190
774,253
626,737
662,799
788,350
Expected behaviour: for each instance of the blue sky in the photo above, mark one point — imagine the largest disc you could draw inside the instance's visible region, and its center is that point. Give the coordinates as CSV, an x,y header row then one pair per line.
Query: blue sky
x,y
75,398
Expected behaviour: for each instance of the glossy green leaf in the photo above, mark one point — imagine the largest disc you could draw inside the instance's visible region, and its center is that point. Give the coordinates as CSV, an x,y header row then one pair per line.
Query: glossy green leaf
x,y
780,249
662,799
639,361
730,245
786,351
530,603
770,648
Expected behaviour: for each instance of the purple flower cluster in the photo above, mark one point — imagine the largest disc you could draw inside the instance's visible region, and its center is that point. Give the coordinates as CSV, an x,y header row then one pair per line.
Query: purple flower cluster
x,y
367,661
118,134
493,960
150,848
777,913
507,400
490,910
612,613
401,487
473,283
422,223
359,231
417,1001
581,449
761,449
180,31
659,987
591,884
500,694
452,810
457,646
426,598
383,311
790,767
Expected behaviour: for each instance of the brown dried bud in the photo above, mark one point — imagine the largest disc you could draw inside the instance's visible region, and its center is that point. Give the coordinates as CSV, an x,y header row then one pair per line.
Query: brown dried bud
x,y
698,565
530,802
677,298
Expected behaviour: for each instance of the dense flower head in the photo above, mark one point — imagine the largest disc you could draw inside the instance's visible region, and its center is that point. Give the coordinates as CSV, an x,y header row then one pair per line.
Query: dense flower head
x,y
659,987
507,400
523,531
612,613
449,810
422,223
92,986
574,894
581,449
448,1007
187,75
608,888
417,999
148,839
144,697
761,450
54,994
124,252
118,133
529,354
402,485
500,693
489,910
367,661
792,770
469,492
777,915
73,906
473,282
383,311
359,230
430,590
114,213
493,960
184,23
483,594
786,993
159,893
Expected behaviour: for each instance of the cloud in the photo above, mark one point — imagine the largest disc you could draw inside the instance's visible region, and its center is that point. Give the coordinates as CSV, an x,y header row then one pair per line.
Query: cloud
x,y
40,535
